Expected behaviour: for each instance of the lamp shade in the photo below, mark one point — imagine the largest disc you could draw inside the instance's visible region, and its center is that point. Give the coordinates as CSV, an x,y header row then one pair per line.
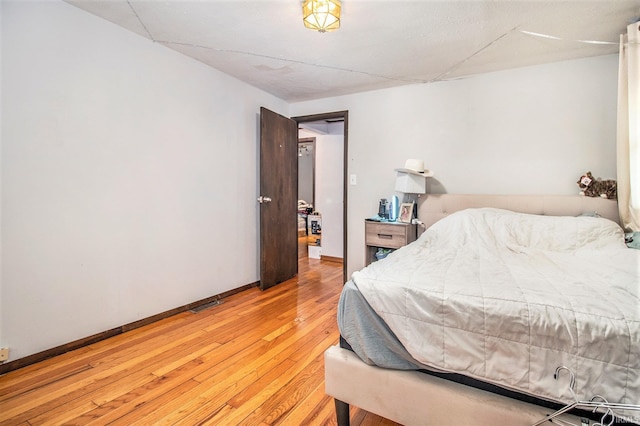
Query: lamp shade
x,y
410,183
321,15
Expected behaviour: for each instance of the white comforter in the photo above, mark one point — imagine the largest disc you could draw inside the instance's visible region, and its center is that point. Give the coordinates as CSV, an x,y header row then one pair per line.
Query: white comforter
x,y
506,298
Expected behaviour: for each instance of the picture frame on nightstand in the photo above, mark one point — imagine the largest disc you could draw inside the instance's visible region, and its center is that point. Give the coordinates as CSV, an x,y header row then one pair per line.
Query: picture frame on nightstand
x,y
406,212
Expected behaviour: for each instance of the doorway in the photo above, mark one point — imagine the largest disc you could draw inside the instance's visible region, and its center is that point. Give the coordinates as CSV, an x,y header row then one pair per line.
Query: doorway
x,y
306,196
306,171
323,141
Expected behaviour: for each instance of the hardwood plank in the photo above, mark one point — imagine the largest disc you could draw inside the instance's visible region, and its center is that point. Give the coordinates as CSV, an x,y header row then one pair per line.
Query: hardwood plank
x,y
225,412
32,377
106,371
157,388
144,413
274,351
37,381
120,394
208,405
315,407
62,415
288,395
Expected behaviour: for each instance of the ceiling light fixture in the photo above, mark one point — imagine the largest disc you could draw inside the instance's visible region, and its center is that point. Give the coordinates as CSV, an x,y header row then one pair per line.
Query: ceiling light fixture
x,y
321,15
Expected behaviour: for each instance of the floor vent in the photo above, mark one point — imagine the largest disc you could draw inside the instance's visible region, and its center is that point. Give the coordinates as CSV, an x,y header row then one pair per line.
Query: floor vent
x,y
206,306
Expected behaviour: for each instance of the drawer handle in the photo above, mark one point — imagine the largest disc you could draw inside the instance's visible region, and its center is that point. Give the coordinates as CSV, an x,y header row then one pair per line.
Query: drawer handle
x,y
385,236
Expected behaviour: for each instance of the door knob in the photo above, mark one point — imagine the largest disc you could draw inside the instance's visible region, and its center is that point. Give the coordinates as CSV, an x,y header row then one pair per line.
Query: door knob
x,y
263,200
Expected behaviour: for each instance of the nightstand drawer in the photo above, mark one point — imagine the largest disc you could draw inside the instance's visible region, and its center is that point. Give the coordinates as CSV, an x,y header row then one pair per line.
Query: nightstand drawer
x,y
386,235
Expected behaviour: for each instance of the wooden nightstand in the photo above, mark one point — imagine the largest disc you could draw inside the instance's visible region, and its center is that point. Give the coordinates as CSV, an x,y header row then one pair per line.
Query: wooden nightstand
x,y
390,235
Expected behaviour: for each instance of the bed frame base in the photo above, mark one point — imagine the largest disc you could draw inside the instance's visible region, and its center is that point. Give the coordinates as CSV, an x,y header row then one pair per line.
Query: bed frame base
x,y
414,398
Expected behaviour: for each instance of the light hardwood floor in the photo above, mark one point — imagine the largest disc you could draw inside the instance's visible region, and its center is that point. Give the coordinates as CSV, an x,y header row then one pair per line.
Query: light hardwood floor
x,y
255,359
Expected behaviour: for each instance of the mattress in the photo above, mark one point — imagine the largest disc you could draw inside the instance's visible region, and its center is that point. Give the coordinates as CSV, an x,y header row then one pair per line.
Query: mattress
x,y
506,298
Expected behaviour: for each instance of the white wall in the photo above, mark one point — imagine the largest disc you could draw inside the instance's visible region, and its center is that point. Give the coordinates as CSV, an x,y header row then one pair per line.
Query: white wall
x,y
129,177
329,183
524,131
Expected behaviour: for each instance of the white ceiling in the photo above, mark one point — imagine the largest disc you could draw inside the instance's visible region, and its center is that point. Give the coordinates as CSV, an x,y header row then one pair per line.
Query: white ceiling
x,y
380,43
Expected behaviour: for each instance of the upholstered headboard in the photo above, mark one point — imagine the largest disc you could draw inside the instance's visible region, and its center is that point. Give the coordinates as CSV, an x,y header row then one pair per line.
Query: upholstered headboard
x,y
432,208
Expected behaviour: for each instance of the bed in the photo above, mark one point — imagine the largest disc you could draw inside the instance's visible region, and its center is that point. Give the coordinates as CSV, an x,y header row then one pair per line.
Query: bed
x,y
507,309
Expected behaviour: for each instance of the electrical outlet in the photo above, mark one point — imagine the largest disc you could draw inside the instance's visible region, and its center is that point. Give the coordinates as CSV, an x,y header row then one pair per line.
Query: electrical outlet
x,y
4,354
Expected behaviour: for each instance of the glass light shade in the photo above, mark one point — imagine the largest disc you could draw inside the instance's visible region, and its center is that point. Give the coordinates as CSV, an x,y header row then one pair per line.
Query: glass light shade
x,y
409,183
321,15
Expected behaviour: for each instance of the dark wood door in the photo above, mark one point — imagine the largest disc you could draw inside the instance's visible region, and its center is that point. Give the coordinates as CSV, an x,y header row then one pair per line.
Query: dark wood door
x,y
278,198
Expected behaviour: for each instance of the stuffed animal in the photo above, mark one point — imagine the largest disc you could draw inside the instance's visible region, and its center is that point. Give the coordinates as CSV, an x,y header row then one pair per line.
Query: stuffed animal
x,y
592,187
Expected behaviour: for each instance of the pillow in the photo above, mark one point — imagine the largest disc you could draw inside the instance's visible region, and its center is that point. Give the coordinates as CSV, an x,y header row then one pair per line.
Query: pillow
x,y
589,214
518,231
